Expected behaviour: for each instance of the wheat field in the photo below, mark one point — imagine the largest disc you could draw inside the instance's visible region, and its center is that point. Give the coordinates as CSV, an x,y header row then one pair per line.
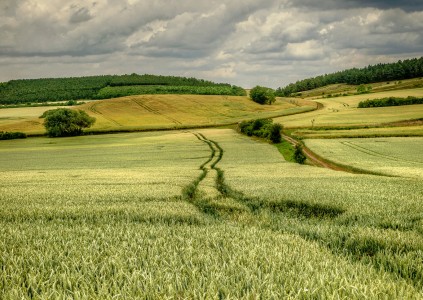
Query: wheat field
x,y
126,217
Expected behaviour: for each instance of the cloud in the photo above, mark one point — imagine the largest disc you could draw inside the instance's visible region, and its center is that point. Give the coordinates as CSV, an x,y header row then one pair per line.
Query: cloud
x,y
80,15
269,42
409,5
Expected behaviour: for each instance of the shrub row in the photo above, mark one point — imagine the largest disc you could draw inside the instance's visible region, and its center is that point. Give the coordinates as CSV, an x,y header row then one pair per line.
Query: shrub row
x,y
263,128
390,101
12,135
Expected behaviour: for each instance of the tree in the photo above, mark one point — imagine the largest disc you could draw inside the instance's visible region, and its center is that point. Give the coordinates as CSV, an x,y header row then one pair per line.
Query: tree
x,y
275,133
263,128
66,122
299,156
262,95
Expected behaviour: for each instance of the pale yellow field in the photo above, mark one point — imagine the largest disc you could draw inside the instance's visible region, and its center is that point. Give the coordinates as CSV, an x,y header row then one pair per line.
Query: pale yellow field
x,y
361,132
24,119
343,111
397,156
158,112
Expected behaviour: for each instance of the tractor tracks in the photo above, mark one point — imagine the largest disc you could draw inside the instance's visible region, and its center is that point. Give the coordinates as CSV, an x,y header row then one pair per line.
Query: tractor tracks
x,y
154,111
93,109
209,192
207,184
214,197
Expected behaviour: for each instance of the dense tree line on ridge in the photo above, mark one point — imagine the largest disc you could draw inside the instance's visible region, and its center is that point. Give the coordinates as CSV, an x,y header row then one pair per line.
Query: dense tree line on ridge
x,y
406,69
90,87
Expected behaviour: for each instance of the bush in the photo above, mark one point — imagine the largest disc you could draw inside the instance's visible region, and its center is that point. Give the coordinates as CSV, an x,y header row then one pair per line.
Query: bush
x,y
299,156
263,128
275,133
66,122
12,135
262,95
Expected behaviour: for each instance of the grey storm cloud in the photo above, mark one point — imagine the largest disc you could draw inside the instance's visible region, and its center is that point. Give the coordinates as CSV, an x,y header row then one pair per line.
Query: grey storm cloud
x,y
269,42
80,15
406,5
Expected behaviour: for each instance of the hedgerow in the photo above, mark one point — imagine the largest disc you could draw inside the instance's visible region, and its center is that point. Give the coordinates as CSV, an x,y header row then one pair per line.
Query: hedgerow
x,y
390,101
12,135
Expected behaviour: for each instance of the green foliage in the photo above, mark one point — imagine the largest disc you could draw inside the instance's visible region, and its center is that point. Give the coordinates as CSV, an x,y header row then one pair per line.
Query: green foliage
x,y
263,128
299,156
120,91
65,89
43,104
11,135
262,95
66,122
287,150
275,133
362,89
407,69
390,101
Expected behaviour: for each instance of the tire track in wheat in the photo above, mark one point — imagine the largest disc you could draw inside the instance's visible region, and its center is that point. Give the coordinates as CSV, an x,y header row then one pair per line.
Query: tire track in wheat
x,y
93,109
154,111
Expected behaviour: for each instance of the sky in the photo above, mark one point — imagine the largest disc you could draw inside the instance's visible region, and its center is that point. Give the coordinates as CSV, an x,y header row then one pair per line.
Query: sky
x,y
242,42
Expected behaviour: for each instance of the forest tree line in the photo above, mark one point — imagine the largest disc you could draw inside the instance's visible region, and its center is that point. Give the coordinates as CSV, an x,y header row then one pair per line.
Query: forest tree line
x,y
406,69
91,87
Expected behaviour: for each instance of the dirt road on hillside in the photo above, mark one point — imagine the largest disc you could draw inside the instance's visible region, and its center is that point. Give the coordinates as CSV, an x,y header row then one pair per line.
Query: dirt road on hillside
x,y
314,159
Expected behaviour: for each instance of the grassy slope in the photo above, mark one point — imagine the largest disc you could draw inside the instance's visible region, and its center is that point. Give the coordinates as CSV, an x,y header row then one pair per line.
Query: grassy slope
x,y
340,117
395,156
105,216
158,112
377,87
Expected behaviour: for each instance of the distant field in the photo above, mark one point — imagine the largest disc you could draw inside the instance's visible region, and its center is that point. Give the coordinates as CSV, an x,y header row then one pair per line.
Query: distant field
x,y
121,216
397,156
343,111
360,132
335,89
158,112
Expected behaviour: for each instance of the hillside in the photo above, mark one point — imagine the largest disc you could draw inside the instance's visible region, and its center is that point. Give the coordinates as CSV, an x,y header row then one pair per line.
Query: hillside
x,y
401,70
342,89
106,87
150,112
